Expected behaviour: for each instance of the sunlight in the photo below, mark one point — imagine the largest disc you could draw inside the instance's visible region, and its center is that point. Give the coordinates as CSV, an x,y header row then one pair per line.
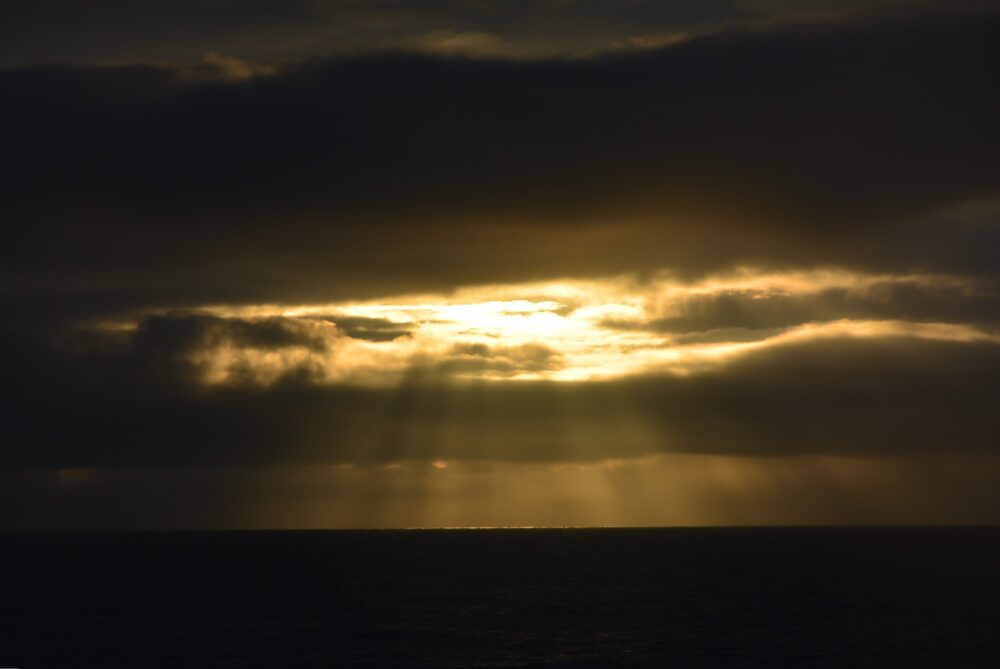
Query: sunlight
x,y
566,330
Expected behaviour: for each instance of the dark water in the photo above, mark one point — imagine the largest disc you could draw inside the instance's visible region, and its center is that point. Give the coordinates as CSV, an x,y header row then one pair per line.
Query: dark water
x,y
507,598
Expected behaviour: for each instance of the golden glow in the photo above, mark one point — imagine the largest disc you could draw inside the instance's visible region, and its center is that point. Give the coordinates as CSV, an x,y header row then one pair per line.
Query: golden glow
x,y
656,490
566,330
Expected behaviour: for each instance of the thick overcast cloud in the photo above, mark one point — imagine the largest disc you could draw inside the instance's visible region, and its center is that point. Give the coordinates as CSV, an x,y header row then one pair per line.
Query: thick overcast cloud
x,y
861,142
357,235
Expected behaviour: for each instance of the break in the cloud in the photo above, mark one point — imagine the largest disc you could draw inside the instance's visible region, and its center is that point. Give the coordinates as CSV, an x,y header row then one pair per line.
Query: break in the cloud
x,y
569,371
335,242
556,331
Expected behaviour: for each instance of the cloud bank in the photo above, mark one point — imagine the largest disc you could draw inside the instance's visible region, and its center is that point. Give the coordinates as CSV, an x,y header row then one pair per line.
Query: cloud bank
x,y
869,144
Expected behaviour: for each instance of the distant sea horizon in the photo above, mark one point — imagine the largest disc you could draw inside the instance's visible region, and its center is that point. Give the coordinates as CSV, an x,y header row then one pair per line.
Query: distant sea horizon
x,y
435,528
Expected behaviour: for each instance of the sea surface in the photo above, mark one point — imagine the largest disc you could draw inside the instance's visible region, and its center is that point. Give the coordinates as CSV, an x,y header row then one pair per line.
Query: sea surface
x,y
685,598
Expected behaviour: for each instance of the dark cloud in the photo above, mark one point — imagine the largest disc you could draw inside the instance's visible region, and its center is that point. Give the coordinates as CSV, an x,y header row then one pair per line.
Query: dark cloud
x,y
371,329
497,360
185,333
157,358
118,31
835,143
827,396
762,310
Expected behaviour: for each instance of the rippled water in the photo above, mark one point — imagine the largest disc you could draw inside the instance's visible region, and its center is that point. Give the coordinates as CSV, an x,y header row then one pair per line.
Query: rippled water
x,y
872,597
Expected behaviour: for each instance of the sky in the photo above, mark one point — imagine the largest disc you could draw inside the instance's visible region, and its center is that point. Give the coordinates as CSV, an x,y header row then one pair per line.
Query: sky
x,y
378,263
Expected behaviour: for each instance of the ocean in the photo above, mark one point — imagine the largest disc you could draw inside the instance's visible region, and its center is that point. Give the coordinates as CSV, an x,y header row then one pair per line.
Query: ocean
x,y
686,598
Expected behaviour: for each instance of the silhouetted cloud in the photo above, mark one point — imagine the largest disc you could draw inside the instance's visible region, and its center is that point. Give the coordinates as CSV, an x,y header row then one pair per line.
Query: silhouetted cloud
x,y
117,31
846,143
834,396
371,329
761,310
